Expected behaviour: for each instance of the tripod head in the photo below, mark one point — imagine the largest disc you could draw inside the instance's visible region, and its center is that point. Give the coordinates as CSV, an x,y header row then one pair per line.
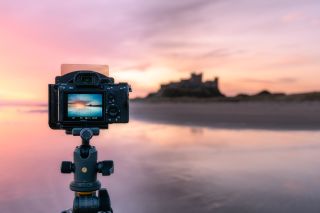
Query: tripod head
x,y
86,134
85,168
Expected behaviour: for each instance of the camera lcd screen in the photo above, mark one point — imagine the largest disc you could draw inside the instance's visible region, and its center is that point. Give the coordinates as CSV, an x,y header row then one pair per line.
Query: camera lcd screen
x,y
85,106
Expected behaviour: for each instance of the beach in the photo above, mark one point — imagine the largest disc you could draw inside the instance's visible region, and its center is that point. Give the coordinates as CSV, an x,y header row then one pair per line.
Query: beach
x,y
244,115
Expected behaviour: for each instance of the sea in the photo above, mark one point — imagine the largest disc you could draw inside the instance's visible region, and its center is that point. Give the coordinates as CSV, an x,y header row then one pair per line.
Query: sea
x,y
161,167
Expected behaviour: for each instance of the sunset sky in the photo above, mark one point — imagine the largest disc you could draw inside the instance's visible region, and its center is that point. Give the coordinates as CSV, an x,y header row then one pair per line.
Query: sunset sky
x,y
250,44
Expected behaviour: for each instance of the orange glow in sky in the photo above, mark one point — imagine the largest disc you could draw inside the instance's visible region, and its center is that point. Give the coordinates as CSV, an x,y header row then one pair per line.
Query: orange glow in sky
x,y
79,105
250,45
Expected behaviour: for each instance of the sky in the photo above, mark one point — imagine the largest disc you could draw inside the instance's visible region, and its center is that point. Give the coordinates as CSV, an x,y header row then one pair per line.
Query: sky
x,y
250,44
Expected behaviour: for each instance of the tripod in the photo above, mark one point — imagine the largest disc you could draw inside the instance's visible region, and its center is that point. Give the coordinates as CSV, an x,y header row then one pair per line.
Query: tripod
x,y
85,168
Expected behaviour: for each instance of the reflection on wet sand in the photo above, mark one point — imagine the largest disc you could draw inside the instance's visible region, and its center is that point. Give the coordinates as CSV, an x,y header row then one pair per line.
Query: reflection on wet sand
x,y
164,168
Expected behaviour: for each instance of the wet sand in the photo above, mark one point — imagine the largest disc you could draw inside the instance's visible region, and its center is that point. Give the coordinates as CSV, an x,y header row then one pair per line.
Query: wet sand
x,y
246,115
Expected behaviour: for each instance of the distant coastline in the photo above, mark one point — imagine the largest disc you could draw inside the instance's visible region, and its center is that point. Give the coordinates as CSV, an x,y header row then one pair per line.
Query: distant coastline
x,y
193,102
263,96
194,89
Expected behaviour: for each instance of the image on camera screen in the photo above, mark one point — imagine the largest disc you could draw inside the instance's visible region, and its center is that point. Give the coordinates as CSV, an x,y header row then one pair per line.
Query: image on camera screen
x,y
87,106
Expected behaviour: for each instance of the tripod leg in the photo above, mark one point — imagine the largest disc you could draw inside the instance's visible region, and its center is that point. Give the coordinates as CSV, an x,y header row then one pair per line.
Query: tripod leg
x,y
105,203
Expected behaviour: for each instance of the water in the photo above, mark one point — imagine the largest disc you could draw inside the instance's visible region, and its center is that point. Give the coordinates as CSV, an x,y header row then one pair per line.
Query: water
x,y
163,168
85,112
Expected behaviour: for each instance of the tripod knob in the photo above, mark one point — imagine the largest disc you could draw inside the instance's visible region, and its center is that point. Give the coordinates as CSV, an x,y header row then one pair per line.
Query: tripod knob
x,y
106,168
67,167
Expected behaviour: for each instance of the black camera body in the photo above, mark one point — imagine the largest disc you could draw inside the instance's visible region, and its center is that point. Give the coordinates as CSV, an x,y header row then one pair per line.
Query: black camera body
x,y
87,99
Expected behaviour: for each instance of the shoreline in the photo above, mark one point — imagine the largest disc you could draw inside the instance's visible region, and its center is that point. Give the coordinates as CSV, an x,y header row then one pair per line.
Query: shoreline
x,y
240,115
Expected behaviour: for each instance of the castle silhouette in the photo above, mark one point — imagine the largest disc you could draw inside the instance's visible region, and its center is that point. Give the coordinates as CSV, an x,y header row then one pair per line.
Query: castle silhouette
x,y
192,87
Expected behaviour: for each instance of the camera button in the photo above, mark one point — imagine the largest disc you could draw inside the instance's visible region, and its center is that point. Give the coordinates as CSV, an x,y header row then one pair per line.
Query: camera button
x,y
113,111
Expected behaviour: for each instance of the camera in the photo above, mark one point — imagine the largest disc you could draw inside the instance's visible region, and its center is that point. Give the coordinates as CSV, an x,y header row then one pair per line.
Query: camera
x,y
87,99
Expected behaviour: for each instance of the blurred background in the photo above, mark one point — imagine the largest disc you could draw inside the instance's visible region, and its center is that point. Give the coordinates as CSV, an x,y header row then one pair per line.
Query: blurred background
x,y
245,139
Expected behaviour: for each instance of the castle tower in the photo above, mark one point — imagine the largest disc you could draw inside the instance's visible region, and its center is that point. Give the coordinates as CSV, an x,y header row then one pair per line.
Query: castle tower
x,y
216,79
196,79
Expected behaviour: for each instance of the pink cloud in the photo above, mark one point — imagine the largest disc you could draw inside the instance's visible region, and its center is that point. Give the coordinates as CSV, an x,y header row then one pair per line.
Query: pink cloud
x,y
293,17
